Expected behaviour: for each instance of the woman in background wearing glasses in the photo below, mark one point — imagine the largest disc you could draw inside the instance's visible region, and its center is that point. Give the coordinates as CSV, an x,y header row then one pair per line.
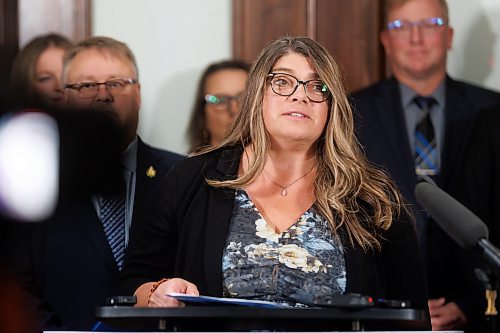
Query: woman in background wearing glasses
x,y
286,209
216,103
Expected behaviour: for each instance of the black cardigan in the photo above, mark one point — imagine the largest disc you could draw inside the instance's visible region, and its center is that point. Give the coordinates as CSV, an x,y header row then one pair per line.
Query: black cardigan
x,y
185,234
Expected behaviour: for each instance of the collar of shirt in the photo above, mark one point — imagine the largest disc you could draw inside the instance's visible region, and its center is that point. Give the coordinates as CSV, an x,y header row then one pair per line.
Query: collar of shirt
x,y
407,95
437,113
129,157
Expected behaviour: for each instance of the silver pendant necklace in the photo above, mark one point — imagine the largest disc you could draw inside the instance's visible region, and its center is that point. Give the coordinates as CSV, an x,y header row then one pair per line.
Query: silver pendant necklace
x,y
284,191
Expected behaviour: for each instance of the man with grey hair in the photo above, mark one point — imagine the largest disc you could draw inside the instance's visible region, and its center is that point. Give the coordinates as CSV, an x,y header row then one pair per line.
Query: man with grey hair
x,y
416,124
71,263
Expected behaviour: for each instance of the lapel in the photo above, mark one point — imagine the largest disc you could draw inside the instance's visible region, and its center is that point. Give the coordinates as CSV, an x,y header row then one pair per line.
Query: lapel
x,y
86,218
147,176
220,207
458,118
390,117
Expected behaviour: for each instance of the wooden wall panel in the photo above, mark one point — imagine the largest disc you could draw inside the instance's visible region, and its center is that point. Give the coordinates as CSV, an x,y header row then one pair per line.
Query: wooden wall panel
x,y
255,23
347,28
8,42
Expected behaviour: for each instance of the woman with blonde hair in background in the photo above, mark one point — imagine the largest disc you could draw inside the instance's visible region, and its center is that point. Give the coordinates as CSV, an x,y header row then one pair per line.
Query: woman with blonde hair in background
x,y
35,78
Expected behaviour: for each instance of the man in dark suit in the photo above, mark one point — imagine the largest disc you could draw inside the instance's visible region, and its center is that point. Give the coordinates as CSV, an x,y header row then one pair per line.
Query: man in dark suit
x,y
391,113
71,263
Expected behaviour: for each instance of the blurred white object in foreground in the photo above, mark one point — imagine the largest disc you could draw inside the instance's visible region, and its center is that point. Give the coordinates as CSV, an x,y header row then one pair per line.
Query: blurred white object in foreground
x,y
29,166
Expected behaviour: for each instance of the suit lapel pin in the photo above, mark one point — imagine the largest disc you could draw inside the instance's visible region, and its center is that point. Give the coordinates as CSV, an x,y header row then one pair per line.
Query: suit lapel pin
x,y
151,172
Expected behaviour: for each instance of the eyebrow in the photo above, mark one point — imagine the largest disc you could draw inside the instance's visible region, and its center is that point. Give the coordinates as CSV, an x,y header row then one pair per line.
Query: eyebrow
x,y
291,71
91,78
283,69
44,72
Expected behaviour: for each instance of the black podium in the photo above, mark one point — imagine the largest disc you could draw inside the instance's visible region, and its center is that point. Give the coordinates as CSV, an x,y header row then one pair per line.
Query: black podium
x,y
239,318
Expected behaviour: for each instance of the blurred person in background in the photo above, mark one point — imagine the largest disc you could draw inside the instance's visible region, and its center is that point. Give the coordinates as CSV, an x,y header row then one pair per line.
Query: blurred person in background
x,y
35,78
416,125
70,263
216,103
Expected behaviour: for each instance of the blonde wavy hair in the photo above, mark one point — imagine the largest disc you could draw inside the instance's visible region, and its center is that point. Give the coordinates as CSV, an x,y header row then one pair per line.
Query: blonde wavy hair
x,y
344,178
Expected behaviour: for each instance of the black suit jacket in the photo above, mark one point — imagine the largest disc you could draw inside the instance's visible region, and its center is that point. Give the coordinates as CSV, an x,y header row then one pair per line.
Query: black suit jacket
x,y
66,262
186,233
382,132
481,177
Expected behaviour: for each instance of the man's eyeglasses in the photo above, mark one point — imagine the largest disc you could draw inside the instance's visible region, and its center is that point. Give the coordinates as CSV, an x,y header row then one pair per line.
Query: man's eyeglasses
x,y
222,102
427,26
284,84
91,89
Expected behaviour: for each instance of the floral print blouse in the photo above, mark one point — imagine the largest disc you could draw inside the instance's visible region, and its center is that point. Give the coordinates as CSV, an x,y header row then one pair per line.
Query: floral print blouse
x,y
293,267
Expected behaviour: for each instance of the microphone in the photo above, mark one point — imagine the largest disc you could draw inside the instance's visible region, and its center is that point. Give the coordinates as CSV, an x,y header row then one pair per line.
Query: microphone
x,y
460,224
48,155
463,226
29,166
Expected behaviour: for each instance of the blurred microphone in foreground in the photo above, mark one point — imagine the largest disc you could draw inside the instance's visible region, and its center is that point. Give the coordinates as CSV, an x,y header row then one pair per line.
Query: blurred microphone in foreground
x,y
470,233
48,155
29,186
29,166
458,222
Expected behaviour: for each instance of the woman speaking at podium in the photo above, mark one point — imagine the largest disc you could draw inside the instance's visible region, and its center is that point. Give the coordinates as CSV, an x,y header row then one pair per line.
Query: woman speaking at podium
x,y
286,209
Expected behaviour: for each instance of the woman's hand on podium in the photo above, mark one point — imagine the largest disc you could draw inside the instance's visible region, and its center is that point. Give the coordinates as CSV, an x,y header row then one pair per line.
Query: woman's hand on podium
x,y
159,298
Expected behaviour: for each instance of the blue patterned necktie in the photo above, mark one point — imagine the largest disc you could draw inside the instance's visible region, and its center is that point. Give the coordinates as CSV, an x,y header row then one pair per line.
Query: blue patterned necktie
x,y
113,221
426,158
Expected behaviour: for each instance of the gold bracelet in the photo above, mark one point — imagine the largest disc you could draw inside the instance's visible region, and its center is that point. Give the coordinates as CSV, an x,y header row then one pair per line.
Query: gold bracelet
x,y
155,286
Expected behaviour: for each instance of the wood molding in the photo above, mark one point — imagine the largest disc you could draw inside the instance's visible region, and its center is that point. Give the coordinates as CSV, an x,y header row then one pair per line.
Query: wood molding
x,y
311,18
69,18
257,22
8,42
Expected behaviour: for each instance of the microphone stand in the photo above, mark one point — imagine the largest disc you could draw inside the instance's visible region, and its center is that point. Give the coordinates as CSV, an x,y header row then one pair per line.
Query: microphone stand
x,y
491,255
490,284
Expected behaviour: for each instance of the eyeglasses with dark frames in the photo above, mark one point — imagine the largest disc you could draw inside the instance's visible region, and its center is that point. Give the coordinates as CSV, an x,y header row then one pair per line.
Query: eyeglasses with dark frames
x,y
427,26
91,89
285,84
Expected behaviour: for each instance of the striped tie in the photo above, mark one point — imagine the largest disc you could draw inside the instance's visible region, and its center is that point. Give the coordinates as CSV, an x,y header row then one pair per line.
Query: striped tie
x,y
113,221
426,159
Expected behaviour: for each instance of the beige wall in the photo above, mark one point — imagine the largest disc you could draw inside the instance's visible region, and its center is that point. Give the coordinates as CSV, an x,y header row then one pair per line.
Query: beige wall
x,y
475,55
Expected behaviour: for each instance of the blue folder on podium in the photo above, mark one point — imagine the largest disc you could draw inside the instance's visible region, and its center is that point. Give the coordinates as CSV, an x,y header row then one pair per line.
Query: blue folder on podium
x,y
209,300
